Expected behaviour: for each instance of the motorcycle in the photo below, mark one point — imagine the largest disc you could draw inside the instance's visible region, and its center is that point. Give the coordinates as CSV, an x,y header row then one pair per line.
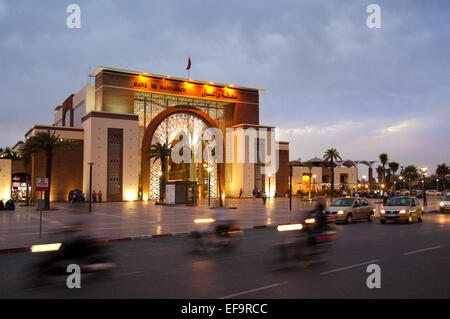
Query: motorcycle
x,y
215,237
301,246
88,254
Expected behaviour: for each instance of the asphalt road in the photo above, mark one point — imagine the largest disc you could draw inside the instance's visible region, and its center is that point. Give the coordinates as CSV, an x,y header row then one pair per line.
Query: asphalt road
x,y
414,261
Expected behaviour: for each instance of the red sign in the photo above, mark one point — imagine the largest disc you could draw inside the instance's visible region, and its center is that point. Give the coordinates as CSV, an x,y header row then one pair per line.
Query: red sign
x,y
41,184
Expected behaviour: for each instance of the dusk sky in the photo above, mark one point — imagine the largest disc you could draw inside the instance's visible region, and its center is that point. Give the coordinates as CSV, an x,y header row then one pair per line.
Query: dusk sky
x,y
329,80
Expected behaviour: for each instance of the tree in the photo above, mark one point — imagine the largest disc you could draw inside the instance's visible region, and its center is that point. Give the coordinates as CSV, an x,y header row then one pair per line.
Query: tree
x,y
442,170
161,152
44,142
411,174
330,156
394,168
383,159
8,153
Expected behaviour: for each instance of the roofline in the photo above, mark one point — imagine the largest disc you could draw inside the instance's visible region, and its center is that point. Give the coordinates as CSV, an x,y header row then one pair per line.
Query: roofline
x,y
53,128
100,69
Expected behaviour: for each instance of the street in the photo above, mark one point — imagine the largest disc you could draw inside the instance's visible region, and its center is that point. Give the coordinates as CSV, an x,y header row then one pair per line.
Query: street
x,y
414,261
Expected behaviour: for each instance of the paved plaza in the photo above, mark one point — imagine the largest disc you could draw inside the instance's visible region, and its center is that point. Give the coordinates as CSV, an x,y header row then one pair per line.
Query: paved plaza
x,y
127,219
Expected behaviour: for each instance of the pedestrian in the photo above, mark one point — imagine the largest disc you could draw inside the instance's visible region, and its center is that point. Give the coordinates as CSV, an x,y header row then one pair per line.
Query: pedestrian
x,y
94,196
240,193
384,198
254,193
264,197
100,196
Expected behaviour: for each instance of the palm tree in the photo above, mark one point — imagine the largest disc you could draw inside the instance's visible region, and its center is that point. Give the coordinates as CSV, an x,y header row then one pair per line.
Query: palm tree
x,y
44,142
442,170
394,168
8,153
161,152
383,159
330,156
410,172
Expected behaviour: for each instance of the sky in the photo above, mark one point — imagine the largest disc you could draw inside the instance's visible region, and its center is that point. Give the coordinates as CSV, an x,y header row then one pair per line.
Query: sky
x,y
329,81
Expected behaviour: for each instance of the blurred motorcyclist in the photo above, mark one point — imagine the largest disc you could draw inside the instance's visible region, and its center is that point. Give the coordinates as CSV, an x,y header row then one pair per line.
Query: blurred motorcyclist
x,y
223,220
320,220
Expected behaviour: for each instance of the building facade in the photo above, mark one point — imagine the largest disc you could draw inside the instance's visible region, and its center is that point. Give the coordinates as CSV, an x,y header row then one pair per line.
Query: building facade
x,y
115,122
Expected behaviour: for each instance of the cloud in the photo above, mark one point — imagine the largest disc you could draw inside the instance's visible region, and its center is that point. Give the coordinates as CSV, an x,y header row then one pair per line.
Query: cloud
x,y
329,80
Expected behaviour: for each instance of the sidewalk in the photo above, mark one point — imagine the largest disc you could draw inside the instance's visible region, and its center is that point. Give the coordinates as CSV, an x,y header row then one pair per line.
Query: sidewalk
x,y
130,219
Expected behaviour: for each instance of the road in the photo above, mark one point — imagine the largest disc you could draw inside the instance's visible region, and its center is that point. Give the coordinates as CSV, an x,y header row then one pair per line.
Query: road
x,y
414,261
128,219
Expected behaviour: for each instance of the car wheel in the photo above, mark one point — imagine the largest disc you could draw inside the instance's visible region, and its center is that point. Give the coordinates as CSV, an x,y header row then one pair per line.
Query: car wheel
x,y
420,218
370,218
349,219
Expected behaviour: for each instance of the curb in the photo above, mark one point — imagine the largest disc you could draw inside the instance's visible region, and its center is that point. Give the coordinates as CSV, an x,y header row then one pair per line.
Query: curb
x,y
124,239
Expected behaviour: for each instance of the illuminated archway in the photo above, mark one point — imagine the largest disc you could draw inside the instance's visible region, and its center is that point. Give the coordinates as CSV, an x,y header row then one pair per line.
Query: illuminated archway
x,y
164,127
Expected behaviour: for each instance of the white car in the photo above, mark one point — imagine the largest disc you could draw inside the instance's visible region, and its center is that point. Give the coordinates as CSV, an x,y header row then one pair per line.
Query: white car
x,y
444,205
433,192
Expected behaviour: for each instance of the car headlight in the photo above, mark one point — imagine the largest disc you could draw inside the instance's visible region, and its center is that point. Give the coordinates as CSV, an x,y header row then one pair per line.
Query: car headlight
x,y
340,212
441,204
383,211
402,211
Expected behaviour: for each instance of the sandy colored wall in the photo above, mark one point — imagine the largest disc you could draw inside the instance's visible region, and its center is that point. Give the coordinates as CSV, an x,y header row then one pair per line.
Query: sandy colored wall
x,y
5,179
96,151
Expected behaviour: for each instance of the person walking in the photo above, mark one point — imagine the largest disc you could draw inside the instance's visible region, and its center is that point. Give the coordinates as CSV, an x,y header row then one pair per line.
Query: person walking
x,y
254,193
94,196
100,196
240,193
264,197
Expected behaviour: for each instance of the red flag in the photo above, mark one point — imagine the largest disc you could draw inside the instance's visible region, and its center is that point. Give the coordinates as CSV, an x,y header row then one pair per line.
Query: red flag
x,y
189,64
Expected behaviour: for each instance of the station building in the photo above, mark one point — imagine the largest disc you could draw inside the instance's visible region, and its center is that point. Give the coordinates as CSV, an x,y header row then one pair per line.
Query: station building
x,y
115,122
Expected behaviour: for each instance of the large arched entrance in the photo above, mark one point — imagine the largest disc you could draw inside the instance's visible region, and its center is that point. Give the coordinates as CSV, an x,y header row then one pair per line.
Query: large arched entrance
x,y
165,127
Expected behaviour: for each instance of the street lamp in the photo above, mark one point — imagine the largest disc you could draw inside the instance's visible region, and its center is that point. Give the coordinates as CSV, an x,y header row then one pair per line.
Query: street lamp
x,y
269,183
90,185
209,169
437,184
424,171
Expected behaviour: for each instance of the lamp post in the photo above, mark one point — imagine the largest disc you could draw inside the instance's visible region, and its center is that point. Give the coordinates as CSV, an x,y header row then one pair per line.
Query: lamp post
x,y
424,171
209,169
90,185
269,184
437,184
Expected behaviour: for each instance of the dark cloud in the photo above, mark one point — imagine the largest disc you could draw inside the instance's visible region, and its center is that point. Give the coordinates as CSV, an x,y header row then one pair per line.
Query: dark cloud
x,y
329,80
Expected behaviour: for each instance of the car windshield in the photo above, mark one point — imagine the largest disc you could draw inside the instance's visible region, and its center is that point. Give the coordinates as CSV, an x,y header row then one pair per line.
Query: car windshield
x,y
395,201
344,202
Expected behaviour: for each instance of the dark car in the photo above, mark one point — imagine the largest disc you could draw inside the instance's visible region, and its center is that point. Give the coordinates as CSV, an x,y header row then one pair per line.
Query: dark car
x,y
76,196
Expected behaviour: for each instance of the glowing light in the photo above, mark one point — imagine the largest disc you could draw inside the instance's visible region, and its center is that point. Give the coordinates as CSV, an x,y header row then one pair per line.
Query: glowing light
x,y
145,197
289,227
223,195
130,196
403,211
340,212
204,220
310,221
45,247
